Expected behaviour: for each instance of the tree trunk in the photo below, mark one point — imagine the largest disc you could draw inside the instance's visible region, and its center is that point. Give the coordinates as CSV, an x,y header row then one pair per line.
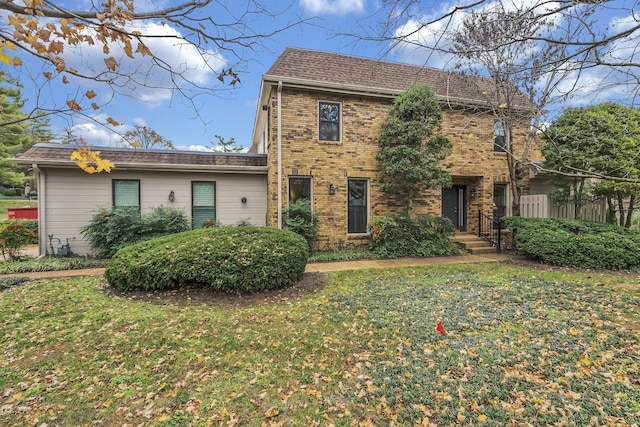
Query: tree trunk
x,y
620,208
632,200
611,211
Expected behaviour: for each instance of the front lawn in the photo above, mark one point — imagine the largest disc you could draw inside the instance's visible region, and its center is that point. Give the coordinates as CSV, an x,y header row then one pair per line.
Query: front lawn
x,y
522,346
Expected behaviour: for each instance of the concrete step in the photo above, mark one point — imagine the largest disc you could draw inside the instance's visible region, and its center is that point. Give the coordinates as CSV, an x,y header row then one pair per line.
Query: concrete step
x,y
473,244
486,250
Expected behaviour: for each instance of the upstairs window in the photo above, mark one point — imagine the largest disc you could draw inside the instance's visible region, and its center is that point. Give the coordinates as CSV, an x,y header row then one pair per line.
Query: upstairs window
x,y
126,193
329,121
499,140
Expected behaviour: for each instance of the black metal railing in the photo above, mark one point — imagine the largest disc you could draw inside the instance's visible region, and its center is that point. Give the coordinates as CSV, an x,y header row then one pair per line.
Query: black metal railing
x,y
490,230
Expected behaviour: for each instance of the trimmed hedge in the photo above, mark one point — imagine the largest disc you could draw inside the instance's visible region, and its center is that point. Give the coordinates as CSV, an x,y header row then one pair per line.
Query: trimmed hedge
x,y
574,243
229,258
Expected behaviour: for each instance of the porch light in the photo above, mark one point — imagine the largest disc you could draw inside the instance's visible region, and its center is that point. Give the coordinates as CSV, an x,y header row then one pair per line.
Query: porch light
x,y
332,189
172,196
472,194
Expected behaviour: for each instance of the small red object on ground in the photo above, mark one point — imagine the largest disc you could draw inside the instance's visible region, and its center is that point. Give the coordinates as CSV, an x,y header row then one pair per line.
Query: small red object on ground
x,y
440,328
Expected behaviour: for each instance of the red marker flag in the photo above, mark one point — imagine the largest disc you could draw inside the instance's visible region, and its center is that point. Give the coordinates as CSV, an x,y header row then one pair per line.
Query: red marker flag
x,y
440,328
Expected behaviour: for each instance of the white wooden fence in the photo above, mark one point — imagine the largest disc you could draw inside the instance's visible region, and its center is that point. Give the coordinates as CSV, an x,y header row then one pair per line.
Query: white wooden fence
x,y
541,206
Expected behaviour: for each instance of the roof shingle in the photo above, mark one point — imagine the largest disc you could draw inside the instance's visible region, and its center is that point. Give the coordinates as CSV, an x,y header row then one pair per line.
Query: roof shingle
x,y
376,76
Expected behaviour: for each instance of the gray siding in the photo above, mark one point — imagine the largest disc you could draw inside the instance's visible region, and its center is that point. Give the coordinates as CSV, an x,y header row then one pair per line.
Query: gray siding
x,y
72,197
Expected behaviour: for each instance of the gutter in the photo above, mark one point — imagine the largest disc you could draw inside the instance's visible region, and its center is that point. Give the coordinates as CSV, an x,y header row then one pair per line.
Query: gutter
x,y
279,154
261,170
42,202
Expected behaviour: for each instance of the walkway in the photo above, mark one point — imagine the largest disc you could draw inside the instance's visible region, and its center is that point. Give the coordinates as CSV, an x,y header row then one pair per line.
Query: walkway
x,y
316,267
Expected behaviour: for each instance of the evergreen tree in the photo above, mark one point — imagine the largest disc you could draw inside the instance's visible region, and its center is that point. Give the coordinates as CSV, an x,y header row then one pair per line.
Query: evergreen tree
x,y
14,135
412,148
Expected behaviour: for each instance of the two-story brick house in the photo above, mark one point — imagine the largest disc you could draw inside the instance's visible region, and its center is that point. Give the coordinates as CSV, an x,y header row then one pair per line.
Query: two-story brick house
x,y
318,120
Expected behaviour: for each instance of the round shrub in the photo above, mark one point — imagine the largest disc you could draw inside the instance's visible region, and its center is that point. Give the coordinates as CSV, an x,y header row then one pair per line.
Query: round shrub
x,y
227,258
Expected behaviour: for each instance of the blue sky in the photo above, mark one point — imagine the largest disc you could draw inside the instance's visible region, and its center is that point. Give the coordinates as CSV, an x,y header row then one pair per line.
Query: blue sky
x,y
230,112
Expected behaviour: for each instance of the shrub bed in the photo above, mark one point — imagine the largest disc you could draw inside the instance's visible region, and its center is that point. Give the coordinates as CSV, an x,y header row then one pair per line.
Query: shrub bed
x,y
397,236
115,228
228,258
574,243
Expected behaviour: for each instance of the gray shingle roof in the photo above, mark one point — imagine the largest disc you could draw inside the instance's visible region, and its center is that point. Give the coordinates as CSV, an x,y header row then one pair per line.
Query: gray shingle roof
x,y
376,76
56,154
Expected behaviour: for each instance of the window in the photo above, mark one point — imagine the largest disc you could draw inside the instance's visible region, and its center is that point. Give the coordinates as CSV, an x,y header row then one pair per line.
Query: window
x,y
203,204
499,140
299,188
500,200
358,212
329,120
126,193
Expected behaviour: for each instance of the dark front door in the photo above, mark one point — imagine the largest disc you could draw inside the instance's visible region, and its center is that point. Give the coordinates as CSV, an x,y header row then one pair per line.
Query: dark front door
x,y
453,206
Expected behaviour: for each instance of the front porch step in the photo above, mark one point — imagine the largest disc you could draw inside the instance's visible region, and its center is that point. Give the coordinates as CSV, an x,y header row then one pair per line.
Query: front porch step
x,y
473,244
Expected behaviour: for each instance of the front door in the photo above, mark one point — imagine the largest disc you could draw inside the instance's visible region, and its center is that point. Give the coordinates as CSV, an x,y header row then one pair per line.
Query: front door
x,y
453,206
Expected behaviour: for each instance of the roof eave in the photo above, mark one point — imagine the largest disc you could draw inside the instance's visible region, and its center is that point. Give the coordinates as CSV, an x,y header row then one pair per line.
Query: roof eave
x,y
370,91
149,166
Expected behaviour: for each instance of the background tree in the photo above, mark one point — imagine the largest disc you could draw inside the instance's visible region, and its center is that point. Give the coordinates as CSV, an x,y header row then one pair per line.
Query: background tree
x,y
39,128
14,135
411,146
601,140
588,41
141,136
226,146
69,137
521,84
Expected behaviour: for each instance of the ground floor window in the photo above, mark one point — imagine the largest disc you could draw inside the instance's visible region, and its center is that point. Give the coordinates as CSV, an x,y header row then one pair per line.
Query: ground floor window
x,y
500,200
126,193
299,188
203,203
358,206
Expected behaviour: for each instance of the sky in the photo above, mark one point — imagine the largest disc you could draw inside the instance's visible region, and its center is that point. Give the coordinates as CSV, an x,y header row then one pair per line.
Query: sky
x,y
229,111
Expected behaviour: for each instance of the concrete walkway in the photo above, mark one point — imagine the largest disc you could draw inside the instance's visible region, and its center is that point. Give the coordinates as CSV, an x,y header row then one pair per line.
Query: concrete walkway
x,y
316,267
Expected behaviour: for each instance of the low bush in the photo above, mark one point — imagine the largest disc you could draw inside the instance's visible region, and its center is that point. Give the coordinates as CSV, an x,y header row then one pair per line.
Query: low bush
x,y
50,263
225,258
8,282
29,224
112,229
397,236
13,237
575,243
302,220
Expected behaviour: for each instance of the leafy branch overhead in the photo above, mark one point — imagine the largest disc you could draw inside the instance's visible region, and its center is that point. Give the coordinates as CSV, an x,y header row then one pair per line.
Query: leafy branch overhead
x,y
215,38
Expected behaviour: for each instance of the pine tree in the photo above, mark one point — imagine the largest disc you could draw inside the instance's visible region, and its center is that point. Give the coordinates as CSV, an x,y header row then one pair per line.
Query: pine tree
x,y
14,134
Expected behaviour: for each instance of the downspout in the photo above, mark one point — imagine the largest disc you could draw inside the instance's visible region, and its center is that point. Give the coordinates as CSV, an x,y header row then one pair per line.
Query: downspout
x,y
279,154
42,227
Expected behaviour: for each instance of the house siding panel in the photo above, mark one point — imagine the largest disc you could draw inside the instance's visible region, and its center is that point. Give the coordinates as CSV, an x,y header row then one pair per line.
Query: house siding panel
x,y
69,206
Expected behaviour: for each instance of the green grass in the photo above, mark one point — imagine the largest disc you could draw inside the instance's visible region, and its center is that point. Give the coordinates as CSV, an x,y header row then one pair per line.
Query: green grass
x,y
523,347
14,203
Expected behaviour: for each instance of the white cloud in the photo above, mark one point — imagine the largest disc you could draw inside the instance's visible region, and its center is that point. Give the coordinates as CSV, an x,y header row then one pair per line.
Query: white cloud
x,y
146,79
427,40
333,7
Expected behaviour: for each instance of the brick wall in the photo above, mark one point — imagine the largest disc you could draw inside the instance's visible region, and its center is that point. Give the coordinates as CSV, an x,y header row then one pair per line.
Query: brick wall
x,y
475,164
